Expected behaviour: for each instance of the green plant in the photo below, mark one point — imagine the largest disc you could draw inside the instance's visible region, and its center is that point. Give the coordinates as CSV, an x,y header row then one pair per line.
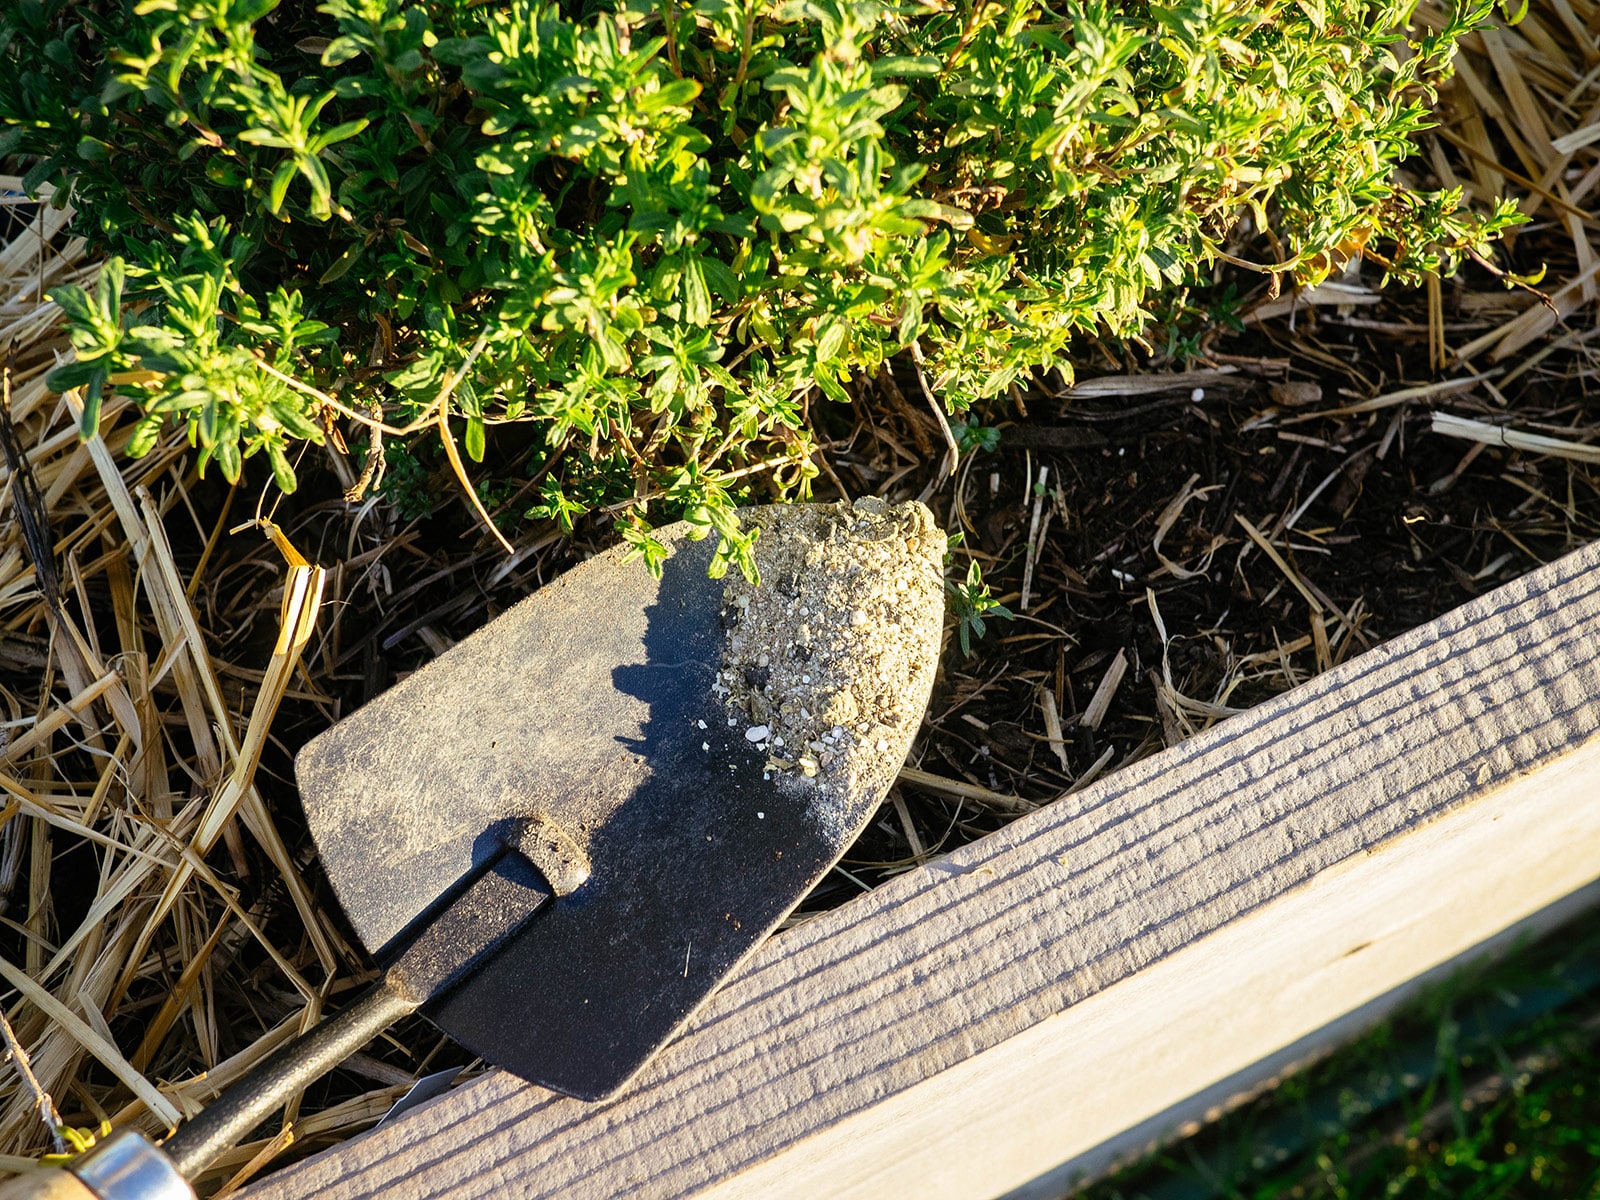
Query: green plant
x,y
971,434
662,233
973,604
405,483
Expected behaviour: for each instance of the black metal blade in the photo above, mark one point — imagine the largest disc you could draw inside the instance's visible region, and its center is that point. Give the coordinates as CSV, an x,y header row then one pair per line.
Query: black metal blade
x,y
591,705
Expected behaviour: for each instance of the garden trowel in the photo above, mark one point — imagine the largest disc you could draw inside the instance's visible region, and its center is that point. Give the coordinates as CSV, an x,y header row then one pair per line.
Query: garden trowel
x,y
560,836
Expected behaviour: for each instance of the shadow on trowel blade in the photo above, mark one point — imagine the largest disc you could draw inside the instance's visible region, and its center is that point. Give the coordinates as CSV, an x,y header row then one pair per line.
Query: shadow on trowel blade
x,y
590,704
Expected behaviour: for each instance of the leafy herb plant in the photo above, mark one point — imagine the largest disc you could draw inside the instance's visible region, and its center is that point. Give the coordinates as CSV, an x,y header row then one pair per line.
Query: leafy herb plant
x,y
662,232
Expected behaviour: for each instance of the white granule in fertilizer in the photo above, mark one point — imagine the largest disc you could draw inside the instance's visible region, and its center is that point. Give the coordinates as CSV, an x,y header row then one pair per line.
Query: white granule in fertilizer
x,y
829,661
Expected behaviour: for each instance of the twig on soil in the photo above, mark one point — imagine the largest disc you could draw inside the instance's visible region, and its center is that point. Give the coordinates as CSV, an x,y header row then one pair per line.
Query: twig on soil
x,y
1052,730
1152,384
1034,533
1100,702
1496,435
906,824
1278,561
1093,773
929,782
1388,400
1169,517
952,454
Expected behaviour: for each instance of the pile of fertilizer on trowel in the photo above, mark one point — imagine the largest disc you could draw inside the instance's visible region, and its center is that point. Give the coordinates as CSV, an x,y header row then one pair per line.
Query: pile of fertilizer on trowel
x,y
830,659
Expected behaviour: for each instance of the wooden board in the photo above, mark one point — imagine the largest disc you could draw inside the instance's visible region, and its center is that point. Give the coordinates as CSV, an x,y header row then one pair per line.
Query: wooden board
x,y
1026,1001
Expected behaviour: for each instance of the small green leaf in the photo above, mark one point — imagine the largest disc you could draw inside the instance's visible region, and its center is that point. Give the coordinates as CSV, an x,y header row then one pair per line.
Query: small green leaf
x,y
341,265
696,297
338,133
71,375
264,137
906,66
229,459
145,435
341,50
89,423
74,301
831,388
282,472
281,179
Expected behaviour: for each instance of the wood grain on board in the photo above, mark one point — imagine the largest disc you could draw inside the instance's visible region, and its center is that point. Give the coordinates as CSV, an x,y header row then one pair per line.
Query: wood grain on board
x,y
1024,1000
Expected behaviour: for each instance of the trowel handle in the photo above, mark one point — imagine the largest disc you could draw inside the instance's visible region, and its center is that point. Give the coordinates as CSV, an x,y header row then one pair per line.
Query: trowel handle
x,y
451,942
126,1166
250,1101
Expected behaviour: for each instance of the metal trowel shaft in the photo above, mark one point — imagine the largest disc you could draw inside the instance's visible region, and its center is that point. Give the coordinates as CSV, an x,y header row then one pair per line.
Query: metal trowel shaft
x,y
434,954
241,1108
431,956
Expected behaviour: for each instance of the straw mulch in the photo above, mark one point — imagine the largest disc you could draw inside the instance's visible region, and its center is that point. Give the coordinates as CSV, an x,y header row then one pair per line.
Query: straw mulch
x,y
138,704
1176,548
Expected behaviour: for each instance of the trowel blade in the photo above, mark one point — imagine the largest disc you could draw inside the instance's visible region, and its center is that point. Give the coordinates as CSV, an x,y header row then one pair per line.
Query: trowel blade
x,y
594,704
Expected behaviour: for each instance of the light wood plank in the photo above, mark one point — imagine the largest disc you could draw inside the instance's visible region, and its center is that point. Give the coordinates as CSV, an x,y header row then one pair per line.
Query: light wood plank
x,y
1208,1103
1026,999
